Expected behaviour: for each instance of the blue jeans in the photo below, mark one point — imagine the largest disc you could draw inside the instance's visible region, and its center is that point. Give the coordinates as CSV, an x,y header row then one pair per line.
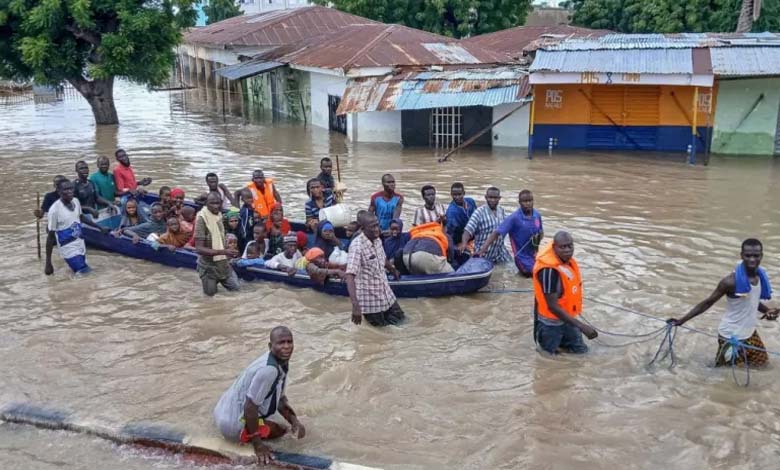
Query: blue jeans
x,y
565,336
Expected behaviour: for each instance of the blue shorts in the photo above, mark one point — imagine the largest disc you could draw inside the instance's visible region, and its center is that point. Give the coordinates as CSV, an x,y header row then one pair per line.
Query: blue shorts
x,y
551,338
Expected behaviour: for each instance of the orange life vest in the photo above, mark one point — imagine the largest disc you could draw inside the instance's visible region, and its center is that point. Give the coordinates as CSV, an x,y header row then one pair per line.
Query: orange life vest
x,y
262,202
431,230
571,282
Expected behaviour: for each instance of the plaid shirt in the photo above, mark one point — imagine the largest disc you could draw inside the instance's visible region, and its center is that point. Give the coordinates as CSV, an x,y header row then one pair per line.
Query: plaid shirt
x,y
367,262
481,224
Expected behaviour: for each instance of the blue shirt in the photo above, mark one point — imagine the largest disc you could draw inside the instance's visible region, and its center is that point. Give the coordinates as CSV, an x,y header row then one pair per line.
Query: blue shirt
x,y
385,208
458,217
521,228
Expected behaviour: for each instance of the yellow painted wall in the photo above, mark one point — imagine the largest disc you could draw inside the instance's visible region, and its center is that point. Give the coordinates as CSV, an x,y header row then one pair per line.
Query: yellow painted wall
x,y
627,105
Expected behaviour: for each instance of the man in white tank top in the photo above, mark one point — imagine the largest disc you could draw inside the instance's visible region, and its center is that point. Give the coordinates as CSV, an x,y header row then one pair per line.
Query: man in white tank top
x,y
744,289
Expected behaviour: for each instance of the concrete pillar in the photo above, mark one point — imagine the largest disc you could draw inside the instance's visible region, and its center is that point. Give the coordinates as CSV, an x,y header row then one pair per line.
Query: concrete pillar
x,y
199,70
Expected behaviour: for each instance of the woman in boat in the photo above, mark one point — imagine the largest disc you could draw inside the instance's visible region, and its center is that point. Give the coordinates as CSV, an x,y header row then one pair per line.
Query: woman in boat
x,y
330,244
318,268
278,227
317,200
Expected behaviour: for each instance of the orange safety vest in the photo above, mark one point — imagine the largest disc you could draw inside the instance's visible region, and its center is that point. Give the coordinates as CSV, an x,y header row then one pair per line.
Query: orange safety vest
x,y
431,230
262,202
571,282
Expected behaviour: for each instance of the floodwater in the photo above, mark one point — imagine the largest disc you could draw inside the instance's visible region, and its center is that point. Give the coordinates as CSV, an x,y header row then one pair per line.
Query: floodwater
x,y
459,386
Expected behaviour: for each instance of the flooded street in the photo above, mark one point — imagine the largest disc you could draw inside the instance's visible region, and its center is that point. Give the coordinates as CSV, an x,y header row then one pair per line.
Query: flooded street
x,y
459,386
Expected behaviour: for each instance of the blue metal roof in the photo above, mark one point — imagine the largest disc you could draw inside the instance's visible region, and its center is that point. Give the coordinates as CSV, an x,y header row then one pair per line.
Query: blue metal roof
x,y
664,41
247,69
659,61
413,96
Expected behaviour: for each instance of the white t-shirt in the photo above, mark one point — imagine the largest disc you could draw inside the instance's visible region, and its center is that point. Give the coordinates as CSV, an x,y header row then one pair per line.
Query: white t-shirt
x,y
60,217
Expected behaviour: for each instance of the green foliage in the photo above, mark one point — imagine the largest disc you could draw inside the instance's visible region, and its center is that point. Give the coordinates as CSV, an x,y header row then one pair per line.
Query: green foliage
x,y
218,10
669,16
56,40
455,18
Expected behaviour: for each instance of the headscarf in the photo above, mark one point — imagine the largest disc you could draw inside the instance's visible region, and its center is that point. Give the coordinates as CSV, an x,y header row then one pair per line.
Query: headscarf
x,y
312,254
125,222
327,246
393,244
303,240
177,192
285,227
178,239
216,229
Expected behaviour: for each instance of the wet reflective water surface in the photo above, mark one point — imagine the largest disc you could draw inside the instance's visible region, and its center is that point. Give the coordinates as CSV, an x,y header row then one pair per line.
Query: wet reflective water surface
x,y
459,386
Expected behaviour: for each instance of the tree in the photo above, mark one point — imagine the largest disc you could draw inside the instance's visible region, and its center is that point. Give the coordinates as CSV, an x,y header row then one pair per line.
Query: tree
x,y
672,16
748,13
455,18
90,42
218,10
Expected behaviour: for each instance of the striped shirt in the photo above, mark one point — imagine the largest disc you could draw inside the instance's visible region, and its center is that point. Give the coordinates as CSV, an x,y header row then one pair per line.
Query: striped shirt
x,y
423,215
481,224
313,210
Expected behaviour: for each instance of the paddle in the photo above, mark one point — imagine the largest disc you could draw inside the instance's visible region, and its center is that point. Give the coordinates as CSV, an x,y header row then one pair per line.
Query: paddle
x,y
38,225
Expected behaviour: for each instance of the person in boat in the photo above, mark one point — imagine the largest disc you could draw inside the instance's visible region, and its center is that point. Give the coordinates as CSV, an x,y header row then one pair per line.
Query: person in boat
x,y
124,176
318,199
131,216
386,204
264,194
232,222
252,256
48,200
177,201
104,179
369,289
174,237
246,218
155,225
558,299
482,226
211,246
243,411
259,241
351,230
525,230
326,175
303,241
187,219
431,211
394,243
329,243
229,200
86,191
744,288
278,227
429,250
285,261
318,268
65,219
459,212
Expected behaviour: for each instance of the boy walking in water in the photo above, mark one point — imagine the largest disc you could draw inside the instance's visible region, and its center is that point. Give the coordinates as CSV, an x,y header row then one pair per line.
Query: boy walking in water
x,y
744,289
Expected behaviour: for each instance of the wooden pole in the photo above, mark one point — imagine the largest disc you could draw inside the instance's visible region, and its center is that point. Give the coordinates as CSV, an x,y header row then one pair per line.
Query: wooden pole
x,y
38,224
338,168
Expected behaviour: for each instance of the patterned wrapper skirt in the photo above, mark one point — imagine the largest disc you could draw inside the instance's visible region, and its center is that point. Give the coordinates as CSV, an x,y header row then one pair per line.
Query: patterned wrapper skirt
x,y
755,357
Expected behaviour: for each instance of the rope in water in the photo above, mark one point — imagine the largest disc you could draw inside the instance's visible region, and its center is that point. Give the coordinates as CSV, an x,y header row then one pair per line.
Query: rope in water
x,y
666,348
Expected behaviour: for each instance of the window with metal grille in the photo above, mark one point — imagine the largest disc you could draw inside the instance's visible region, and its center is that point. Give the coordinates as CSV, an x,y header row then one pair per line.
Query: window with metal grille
x,y
446,127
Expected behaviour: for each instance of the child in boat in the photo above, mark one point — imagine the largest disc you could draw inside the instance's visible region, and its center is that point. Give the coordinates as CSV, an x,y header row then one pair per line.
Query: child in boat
x,y
252,255
187,219
131,216
246,219
259,240
174,237
177,201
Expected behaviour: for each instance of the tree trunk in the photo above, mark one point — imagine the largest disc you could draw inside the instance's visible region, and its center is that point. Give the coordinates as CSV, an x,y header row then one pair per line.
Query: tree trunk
x,y
100,96
745,22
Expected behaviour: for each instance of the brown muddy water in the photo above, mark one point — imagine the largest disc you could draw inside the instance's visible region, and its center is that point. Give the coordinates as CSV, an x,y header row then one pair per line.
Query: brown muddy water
x,y
459,386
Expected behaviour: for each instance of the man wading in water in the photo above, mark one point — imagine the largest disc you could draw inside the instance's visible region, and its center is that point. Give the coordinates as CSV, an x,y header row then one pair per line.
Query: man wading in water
x,y
257,394
744,289
213,253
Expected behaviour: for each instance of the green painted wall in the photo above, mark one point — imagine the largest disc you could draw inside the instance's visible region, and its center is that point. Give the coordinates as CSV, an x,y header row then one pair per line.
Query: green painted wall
x,y
756,135
285,91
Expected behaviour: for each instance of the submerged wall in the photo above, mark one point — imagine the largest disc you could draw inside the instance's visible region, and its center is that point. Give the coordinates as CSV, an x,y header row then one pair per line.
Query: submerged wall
x,y
738,130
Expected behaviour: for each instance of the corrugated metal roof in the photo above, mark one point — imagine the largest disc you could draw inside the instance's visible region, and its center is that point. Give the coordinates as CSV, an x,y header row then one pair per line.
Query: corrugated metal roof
x,y
380,45
513,41
247,69
426,90
273,28
746,61
659,61
664,41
